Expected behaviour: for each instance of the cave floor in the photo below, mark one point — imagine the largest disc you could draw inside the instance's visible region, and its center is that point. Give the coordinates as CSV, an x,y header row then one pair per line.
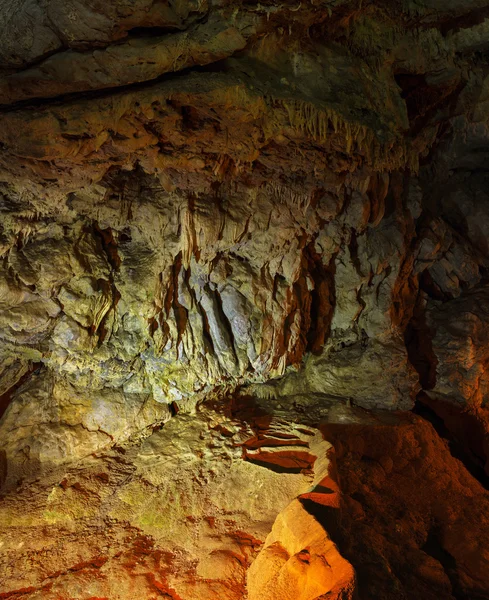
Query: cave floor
x,y
185,512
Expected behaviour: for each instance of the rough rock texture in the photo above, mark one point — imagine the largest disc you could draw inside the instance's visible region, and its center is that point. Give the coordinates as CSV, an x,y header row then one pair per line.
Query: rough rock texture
x,y
415,522
182,513
239,505
281,205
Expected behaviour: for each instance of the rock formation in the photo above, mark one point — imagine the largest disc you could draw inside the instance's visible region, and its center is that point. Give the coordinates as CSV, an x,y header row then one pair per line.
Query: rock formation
x,y
244,301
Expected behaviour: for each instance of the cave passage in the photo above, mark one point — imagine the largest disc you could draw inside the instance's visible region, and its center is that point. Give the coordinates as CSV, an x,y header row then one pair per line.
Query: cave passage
x,y
244,300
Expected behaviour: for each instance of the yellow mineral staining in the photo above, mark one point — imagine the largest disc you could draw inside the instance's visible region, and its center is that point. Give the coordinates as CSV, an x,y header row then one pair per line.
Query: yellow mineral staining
x,y
70,504
102,305
308,119
316,120
187,235
19,518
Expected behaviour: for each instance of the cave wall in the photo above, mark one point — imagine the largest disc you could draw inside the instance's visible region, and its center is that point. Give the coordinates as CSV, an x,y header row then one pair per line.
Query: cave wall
x,y
281,201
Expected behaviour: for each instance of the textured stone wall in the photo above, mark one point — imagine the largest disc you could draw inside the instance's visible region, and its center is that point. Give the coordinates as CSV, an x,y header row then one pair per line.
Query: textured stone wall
x,y
284,202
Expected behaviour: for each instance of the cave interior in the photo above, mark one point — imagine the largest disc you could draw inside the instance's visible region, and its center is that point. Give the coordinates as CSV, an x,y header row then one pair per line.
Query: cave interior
x,y
244,300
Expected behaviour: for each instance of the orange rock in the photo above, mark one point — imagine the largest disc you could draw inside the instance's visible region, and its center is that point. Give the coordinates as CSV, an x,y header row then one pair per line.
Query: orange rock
x,y
299,561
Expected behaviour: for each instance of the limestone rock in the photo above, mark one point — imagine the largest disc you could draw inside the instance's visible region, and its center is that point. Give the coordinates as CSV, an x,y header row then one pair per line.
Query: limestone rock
x,y
280,208
298,561
49,422
413,501
459,363
183,511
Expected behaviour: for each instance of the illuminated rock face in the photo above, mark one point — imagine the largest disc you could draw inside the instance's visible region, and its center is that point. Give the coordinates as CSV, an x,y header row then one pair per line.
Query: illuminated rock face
x,y
224,228
299,561
204,509
186,512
